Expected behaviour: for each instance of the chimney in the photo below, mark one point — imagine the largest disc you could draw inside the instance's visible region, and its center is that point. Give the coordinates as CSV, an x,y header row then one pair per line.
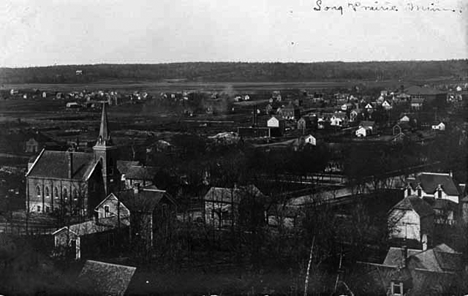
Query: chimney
x,y
70,164
404,250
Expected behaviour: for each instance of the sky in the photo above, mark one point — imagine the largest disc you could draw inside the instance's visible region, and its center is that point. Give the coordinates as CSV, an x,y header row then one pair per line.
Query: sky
x,y
53,32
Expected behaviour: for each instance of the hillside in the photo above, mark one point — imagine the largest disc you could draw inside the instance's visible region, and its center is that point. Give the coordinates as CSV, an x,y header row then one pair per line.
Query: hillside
x,y
236,72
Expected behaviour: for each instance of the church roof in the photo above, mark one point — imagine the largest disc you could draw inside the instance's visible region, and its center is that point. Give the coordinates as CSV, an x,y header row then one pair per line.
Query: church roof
x,y
56,164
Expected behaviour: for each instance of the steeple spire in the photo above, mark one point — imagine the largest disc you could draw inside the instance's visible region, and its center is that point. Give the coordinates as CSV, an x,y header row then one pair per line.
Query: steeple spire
x,y
104,138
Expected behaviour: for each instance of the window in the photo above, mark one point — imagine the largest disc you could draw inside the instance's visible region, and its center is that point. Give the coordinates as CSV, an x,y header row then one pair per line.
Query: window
x,y
38,191
75,194
439,193
106,211
397,289
47,209
419,192
409,191
38,209
56,193
65,193
47,193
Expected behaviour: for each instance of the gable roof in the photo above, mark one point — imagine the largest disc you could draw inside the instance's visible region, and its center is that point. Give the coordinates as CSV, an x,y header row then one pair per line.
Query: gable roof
x,y
415,203
105,278
55,164
441,258
111,197
143,200
430,182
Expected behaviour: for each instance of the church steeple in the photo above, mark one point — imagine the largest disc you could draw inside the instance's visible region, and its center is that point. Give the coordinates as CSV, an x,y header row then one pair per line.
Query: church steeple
x,y
106,153
104,138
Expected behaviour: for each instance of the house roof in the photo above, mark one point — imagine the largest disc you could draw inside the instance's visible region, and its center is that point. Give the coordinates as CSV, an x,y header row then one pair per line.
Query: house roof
x,y
415,203
234,195
395,256
143,200
110,197
430,182
441,258
444,204
102,278
141,173
55,164
124,165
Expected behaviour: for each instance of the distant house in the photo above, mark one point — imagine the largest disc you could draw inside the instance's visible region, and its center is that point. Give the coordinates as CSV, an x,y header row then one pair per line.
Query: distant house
x,y
111,207
366,128
417,104
414,272
339,119
222,204
100,278
433,185
82,237
439,127
141,176
354,114
412,219
386,105
73,105
405,118
268,109
304,123
302,142
38,141
150,209
291,112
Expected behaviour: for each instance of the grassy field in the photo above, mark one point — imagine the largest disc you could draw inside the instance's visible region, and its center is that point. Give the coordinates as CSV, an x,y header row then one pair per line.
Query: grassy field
x,y
239,87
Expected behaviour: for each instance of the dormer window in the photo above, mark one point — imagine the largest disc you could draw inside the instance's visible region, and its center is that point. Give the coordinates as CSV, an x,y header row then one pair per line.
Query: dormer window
x,y
419,192
408,191
439,193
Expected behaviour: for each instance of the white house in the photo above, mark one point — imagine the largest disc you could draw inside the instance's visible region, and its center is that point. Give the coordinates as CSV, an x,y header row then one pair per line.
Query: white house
x,y
310,140
111,207
273,122
439,127
433,185
411,219
338,119
386,105
365,129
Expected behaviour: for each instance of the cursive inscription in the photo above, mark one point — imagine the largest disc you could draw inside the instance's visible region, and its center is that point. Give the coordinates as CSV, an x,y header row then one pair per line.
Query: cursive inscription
x,y
357,6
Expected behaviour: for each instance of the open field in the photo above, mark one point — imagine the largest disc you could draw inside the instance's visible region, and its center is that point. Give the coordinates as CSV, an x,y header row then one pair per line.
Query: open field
x,y
236,87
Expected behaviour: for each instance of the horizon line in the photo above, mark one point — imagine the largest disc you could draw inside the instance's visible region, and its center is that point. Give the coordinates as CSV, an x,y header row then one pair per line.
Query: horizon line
x,y
234,62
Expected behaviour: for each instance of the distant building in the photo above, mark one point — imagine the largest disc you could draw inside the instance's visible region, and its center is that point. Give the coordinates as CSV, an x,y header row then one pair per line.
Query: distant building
x,y
72,180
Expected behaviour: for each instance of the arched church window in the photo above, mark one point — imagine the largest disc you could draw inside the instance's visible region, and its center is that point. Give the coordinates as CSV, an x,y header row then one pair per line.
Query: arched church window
x,y
75,194
47,192
65,193
38,191
56,194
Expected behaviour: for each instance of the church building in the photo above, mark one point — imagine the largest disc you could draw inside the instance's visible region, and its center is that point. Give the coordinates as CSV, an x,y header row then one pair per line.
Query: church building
x,y
71,181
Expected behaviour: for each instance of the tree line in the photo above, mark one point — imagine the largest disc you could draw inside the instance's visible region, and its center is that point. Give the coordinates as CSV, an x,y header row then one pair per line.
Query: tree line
x,y
240,71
